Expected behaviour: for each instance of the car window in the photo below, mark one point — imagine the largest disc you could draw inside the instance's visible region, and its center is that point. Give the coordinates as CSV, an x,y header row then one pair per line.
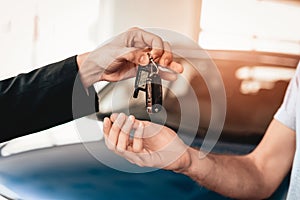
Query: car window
x,y
260,25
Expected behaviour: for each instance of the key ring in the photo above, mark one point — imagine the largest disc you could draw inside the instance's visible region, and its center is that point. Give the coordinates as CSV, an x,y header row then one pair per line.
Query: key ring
x,y
152,61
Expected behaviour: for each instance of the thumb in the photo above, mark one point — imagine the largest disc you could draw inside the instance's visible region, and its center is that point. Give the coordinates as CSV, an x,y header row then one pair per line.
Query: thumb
x,y
136,55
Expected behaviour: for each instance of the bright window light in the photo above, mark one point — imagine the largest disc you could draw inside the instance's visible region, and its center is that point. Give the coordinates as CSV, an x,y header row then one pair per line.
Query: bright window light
x,y
5,192
35,33
255,78
250,25
60,135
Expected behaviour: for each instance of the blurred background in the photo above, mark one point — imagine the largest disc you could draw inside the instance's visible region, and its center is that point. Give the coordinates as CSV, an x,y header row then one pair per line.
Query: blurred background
x,y
34,33
254,43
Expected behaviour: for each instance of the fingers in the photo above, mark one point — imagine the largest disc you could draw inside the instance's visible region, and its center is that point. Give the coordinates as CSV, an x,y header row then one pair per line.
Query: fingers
x,y
115,131
167,55
141,39
137,56
145,41
170,73
153,145
166,60
124,135
114,116
167,75
137,145
106,126
176,67
140,57
117,135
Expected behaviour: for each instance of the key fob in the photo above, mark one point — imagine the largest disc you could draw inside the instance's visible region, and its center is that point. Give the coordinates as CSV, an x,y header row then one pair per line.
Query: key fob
x,y
154,94
140,81
148,80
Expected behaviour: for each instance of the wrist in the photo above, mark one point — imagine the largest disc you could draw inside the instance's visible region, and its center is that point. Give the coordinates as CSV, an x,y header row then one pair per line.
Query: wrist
x,y
199,165
81,58
185,162
88,70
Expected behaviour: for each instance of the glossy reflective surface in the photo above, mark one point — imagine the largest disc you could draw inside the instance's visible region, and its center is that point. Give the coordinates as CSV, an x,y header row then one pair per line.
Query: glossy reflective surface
x,y
71,173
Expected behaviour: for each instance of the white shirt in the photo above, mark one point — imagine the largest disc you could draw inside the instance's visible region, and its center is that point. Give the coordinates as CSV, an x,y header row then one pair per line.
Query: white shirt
x,y
289,115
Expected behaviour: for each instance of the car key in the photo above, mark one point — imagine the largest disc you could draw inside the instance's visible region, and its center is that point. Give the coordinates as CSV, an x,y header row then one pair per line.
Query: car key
x,y
149,81
154,94
141,79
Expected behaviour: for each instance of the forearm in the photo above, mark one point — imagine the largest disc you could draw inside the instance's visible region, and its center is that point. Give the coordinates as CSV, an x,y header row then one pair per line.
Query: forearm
x,y
43,98
232,176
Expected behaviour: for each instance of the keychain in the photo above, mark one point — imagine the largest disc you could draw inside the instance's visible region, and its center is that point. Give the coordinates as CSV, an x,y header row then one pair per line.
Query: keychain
x,y
149,81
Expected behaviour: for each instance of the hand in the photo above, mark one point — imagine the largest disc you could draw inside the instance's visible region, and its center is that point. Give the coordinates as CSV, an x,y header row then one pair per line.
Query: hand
x,y
117,59
153,145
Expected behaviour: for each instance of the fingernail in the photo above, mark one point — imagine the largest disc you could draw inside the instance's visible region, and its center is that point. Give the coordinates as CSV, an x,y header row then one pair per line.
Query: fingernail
x,y
121,115
105,120
131,118
141,125
120,149
121,118
142,59
166,62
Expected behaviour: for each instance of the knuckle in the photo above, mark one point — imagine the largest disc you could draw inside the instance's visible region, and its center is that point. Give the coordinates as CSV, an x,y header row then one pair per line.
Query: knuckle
x,y
125,131
167,45
120,149
141,164
110,146
149,164
115,128
137,149
134,28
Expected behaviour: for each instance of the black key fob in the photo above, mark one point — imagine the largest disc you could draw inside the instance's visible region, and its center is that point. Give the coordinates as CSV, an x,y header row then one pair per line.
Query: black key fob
x,y
148,80
154,94
142,75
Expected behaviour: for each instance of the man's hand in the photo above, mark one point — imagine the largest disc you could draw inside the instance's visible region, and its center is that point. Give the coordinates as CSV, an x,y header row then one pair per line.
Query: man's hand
x,y
117,59
152,145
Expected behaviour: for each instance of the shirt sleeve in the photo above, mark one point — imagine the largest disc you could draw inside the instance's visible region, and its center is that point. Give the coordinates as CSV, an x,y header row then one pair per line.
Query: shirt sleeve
x,y
43,98
286,114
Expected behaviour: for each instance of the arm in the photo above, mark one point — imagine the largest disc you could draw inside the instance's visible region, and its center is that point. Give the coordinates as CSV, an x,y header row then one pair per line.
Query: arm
x,y
258,174
57,93
253,176
42,99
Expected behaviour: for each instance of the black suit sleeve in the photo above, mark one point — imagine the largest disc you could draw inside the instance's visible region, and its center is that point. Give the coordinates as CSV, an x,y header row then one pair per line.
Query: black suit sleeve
x,y
43,98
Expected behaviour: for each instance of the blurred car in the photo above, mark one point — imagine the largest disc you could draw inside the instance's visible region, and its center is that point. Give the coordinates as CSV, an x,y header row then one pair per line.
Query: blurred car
x,y
254,83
